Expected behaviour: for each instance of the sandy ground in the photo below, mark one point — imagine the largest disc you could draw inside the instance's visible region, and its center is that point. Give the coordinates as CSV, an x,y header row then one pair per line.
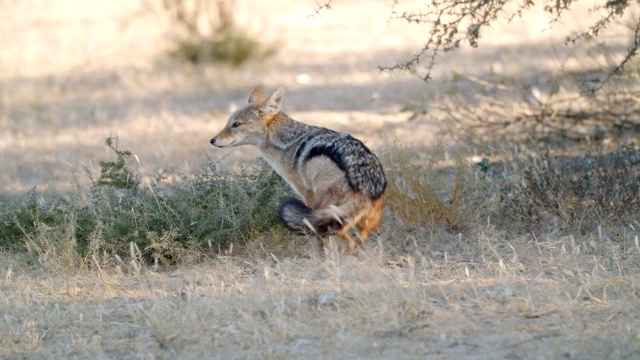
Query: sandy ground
x,y
75,72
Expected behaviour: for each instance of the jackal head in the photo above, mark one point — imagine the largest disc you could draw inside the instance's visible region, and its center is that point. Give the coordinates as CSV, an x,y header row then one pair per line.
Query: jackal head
x,y
248,125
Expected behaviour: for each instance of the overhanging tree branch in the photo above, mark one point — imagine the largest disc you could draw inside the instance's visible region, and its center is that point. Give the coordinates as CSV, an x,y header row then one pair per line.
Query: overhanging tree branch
x,y
325,5
450,23
632,51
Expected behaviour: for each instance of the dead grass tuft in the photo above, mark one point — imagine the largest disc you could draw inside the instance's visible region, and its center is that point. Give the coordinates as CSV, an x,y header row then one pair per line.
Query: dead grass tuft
x,y
581,192
440,188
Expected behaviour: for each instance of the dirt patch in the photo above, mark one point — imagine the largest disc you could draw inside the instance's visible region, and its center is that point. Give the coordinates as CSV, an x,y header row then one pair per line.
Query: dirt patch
x,y
110,75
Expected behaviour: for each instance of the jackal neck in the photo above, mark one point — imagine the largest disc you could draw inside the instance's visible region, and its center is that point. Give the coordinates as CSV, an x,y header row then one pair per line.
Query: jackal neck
x,y
283,131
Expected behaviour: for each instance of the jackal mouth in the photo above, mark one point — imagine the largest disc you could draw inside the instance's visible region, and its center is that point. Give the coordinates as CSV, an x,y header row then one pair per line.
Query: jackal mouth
x,y
218,144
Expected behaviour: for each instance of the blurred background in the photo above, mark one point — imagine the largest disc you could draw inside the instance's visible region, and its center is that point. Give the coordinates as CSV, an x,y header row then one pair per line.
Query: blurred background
x,y
164,75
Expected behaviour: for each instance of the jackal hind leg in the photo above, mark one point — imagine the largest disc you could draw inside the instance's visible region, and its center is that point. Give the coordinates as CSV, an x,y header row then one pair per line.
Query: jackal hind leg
x,y
348,241
361,236
360,230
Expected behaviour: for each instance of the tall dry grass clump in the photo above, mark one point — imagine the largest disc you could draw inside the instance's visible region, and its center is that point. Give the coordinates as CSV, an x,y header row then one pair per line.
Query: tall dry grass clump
x,y
579,191
442,188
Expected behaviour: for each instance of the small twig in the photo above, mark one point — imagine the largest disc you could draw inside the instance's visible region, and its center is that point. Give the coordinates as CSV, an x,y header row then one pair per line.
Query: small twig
x,y
631,52
321,6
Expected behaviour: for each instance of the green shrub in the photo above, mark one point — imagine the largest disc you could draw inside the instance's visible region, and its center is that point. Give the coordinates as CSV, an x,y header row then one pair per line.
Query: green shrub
x,y
23,214
204,212
115,173
224,42
234,47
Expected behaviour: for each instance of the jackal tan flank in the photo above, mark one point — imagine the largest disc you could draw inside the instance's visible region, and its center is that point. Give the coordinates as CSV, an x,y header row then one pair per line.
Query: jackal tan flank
x,y
340,181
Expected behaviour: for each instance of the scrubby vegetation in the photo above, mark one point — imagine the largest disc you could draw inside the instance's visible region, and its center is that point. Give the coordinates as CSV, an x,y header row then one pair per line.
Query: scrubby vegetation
x,y
469,249
206,31
581,192
201,214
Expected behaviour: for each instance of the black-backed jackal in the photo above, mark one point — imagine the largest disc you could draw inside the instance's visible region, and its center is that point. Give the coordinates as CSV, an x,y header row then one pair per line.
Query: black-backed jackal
x,y
341,182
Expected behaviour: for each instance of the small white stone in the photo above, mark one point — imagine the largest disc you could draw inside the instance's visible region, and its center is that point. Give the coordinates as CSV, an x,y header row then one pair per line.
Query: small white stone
x,y
303,78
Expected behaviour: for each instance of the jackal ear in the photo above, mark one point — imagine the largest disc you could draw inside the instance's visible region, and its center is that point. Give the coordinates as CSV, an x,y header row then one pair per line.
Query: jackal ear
x,y
255,96
271,106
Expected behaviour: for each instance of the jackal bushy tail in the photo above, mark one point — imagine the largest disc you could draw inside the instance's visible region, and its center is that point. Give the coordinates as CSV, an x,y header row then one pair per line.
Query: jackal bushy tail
x,y
299,217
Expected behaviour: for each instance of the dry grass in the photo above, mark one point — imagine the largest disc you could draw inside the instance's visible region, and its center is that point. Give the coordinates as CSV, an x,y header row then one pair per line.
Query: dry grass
x,y
490,296
439,188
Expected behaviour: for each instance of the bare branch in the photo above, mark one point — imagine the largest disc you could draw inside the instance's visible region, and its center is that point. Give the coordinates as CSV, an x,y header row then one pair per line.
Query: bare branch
x,y
617,70
321,6
632,51
556,8
450,23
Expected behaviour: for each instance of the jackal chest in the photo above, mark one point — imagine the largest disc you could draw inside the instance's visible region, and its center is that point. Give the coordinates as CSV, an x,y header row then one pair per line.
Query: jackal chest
x,y
286,167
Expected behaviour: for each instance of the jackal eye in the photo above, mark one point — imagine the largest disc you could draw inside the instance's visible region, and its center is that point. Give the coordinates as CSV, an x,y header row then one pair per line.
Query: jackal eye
x,y
235,124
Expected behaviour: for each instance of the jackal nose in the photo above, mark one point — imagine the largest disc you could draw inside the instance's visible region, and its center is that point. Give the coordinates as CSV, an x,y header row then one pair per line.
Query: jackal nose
x,y
213,141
